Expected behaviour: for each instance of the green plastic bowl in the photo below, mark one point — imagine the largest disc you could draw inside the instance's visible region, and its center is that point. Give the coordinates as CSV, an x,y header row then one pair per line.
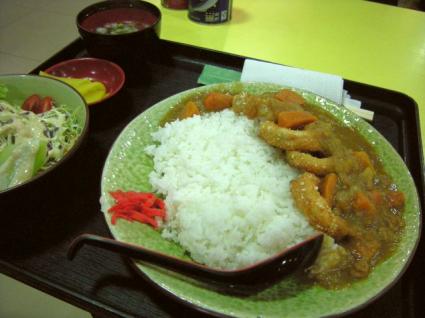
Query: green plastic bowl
x,y
21,86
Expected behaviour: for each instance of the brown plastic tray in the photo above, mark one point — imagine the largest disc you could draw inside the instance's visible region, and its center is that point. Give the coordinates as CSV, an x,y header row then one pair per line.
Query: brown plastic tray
x,y
38,225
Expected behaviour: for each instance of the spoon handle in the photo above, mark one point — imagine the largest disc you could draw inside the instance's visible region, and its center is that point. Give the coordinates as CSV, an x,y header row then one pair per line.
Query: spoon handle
x,y
141,253
283,263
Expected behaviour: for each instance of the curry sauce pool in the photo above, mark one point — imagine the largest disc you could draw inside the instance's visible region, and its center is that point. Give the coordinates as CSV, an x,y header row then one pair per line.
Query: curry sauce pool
x,y
340,187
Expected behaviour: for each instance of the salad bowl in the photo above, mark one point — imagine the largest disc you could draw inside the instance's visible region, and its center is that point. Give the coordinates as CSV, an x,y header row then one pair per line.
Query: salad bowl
x,y
43,123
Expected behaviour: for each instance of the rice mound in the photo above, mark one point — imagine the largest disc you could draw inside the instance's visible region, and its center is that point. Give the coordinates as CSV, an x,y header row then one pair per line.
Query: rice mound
x,y
227,192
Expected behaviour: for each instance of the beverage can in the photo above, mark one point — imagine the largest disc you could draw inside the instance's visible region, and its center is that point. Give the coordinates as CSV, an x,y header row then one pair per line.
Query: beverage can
x,y
210,11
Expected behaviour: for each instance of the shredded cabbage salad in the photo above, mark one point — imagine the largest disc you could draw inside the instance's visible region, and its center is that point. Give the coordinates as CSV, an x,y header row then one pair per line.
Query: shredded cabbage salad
x,y
30,143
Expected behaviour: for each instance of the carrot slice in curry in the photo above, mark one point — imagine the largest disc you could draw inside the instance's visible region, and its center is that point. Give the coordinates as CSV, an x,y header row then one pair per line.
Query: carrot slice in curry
x,y
377,197
286,95
396,199
295,119
363,158
328,187
363,204
190,109
217,101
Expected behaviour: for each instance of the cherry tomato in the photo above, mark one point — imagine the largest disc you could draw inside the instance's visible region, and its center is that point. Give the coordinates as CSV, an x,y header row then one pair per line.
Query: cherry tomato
x,y
46,104
38,105
32,103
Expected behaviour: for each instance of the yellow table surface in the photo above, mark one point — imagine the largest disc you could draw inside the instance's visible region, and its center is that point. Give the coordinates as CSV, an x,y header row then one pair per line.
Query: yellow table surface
x,y
362,41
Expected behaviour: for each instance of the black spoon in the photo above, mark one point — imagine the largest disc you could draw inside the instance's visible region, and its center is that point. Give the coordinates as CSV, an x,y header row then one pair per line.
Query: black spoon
x,y
281,264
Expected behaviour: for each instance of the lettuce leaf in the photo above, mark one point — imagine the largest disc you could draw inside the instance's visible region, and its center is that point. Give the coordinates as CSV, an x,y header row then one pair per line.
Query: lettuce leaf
x,y
3,91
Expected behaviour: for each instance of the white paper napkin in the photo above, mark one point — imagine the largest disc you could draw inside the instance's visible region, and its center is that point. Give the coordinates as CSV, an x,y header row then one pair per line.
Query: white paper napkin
x,y
326,85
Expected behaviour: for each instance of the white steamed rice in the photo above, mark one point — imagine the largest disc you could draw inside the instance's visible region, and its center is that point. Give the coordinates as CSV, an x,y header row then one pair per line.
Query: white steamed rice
x,y
227,192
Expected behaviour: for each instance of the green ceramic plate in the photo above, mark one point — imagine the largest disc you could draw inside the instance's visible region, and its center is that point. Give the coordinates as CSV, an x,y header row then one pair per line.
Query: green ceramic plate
x,y
127,168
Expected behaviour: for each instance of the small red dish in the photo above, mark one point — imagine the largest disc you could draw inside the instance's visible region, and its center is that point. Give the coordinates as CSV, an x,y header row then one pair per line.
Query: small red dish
x,y
104,71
